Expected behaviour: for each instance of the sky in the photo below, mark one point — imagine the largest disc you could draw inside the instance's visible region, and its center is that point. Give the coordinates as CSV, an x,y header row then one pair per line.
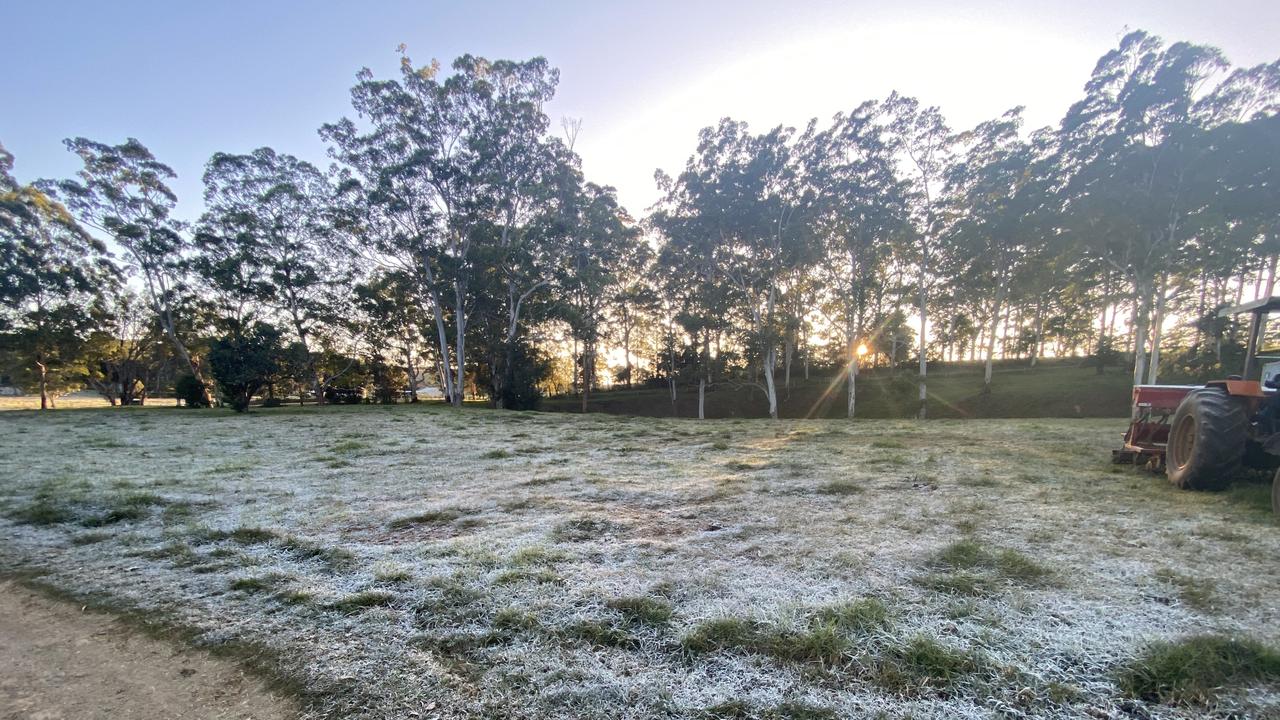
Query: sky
x,y
190,79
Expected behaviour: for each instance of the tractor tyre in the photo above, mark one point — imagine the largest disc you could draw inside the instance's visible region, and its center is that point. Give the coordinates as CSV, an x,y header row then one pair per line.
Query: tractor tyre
x,y
1206,440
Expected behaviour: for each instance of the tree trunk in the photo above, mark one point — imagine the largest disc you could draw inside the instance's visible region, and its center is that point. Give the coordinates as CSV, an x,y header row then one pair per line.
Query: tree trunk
x,y
991,342
789,348
1271,277
442,337
1157,328
588,372
853,379
671,374
413,376
626,344
924,342
1141,324
460,343
44,385
770,362
702,398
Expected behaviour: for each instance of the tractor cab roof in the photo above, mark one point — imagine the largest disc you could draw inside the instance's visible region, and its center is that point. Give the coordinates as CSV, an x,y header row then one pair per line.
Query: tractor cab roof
x,y
1265,305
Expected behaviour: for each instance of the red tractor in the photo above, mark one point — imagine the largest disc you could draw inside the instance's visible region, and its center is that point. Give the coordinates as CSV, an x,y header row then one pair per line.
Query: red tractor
x,y
1201,435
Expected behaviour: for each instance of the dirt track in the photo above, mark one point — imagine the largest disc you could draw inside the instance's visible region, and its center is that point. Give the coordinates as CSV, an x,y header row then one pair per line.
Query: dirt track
x,y
59,662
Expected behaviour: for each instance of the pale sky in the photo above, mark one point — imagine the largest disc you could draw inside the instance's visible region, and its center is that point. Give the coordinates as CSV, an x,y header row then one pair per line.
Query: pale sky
x,y
192,79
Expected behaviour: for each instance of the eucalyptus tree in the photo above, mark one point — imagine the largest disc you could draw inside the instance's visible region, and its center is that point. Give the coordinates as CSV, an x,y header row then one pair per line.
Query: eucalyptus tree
x,y
54,276
126,355
437,166
690,288
633,300
268,236
743,196
989,237
531,247
923,142
600,235
1139,149
393,322
123,192
859,212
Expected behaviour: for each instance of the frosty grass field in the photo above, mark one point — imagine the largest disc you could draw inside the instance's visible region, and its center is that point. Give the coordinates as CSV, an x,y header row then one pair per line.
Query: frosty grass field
x,y
414,561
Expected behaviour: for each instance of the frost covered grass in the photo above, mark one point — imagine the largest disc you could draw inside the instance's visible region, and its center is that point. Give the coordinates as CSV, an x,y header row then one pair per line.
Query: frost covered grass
x,y
387,561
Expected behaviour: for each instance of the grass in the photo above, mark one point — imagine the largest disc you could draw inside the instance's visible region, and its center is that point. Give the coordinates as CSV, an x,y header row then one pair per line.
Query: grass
x,y
358,601
924,662
1195,592
1196,670
823,636
254,584
582,529
431,517
969,567
840,487
627,568
642,609
47,508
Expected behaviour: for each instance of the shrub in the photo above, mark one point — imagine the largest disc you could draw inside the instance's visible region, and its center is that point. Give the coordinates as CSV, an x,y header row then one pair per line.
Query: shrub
x,y
190,391
244,361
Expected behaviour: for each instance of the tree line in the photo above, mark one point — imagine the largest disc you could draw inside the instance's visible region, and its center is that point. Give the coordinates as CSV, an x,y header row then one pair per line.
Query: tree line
x,y
455,242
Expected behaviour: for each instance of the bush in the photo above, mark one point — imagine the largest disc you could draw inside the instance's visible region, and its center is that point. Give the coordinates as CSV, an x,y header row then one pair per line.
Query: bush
x,y
244,361
190,391
524,370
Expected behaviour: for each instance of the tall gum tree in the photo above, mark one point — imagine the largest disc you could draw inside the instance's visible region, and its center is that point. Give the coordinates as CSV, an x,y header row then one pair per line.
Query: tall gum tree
x,y
1138,149
123,192
437,165
54,280
746,196
859,211
922,141
271,215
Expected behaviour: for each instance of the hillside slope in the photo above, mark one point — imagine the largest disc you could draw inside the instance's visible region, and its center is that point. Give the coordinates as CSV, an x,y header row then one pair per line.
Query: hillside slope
x,y
1056,390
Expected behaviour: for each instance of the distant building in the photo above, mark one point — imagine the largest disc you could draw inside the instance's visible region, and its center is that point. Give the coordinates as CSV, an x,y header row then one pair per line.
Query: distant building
x,y
430,391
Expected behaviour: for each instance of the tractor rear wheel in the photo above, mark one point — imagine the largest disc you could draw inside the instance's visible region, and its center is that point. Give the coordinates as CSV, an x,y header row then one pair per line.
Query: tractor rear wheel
x,y
1206,440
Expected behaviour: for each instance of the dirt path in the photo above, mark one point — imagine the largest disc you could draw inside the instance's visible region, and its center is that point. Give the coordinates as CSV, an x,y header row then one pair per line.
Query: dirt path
x,y
57,662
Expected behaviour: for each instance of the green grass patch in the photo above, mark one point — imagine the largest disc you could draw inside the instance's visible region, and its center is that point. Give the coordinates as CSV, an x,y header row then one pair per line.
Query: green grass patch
x,y
536,576
90,537
254,583
599,633
1194,670
923,662
582,529
44,511
1194,592
968,567
823,636
347,447
643,610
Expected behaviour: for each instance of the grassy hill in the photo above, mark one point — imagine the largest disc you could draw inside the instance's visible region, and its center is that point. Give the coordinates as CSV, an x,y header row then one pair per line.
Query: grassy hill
x,y
1061,389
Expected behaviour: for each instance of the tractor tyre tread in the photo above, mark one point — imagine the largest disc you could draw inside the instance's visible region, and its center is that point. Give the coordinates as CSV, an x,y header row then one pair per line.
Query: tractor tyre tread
x,y
1222,428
